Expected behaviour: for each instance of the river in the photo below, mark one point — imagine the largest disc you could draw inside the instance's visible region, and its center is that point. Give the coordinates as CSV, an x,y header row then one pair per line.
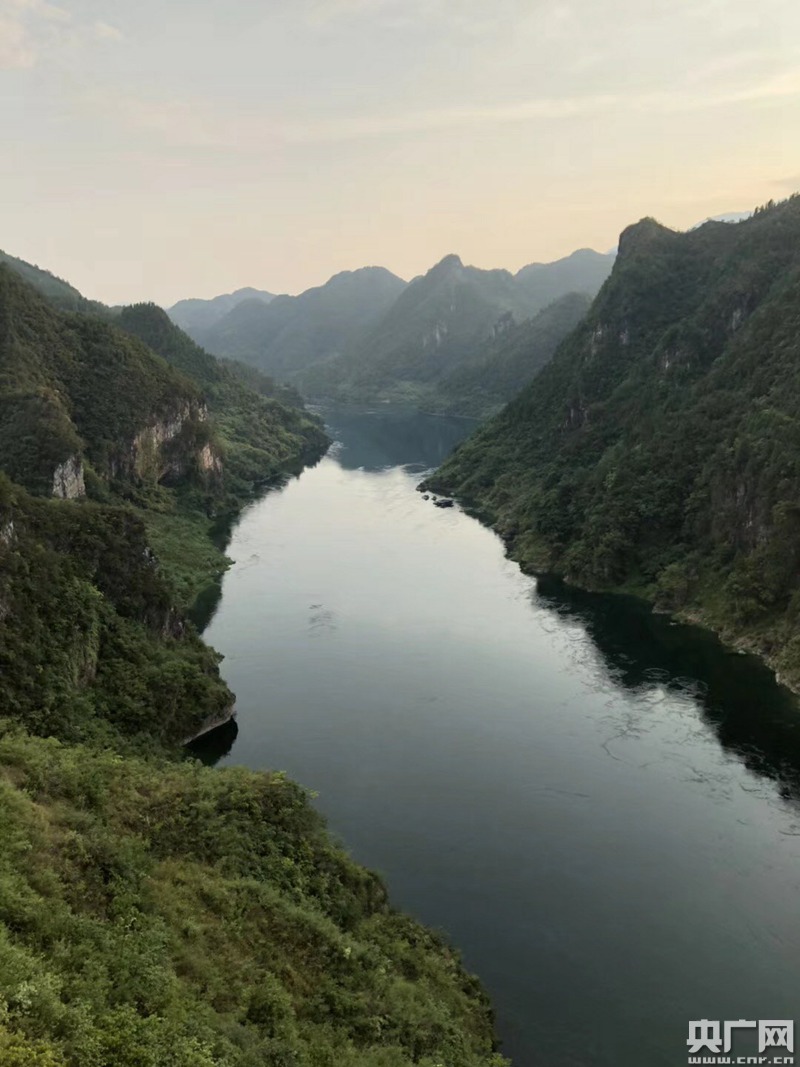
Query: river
x,y
599,806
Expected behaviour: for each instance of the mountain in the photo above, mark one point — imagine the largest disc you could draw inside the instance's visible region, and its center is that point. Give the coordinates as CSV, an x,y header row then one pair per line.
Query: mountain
x,y
482,385
582,272
455,316
366,335
78,396
60,293
194,315
154,910
659,451
259,424
290,333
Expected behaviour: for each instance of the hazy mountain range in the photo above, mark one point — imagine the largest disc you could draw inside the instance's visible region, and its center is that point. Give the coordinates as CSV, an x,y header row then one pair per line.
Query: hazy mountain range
x,y
197,315
368,335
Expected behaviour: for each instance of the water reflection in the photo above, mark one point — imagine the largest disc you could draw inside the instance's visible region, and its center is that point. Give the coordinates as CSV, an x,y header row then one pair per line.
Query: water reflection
x,y
739,698
585,796
394,437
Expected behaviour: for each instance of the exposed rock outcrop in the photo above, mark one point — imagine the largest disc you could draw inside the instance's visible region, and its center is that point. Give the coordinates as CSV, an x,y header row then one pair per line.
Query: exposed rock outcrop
x,y
68,483
169,447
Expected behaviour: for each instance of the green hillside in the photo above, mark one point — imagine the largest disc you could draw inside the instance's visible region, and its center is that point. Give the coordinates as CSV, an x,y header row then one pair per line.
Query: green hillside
x,y
290,333
657,451
155,912
75,388
482,385
258,423
58,292
456,339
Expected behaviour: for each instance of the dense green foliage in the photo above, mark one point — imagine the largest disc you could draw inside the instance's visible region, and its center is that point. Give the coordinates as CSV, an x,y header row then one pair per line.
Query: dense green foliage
x,y
482,385
90,642
452,341
259,427
58,292
72,384
155,912
658,451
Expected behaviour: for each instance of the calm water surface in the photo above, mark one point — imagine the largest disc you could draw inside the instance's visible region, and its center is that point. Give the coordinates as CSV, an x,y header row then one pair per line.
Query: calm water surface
x,y
598,806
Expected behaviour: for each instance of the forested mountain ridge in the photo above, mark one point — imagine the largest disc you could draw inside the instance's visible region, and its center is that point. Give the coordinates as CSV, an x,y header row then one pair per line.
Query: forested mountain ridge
x,y
366,335
480,386
439,319
260,425
658,451
76,393
60,293
93,415
453,318
290,333
154,911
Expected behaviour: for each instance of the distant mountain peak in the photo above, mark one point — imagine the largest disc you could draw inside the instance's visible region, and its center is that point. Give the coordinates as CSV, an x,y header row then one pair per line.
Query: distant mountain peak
x,y
643,235
448,263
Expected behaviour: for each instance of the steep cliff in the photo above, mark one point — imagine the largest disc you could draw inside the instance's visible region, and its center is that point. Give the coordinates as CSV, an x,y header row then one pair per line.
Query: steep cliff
x,y
259,427
657,451
75,391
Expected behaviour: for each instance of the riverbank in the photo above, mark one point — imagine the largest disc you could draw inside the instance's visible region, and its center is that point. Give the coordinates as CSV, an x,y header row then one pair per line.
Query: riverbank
x,y
154,910
483,741
774,640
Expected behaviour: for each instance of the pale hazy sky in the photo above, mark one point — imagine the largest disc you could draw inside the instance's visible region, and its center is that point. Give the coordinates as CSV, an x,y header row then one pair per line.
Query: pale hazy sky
x,y
155,150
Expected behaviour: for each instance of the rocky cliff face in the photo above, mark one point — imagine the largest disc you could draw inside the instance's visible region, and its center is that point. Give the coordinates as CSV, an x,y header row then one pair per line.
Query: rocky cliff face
x,y
68,482
660,449
170,447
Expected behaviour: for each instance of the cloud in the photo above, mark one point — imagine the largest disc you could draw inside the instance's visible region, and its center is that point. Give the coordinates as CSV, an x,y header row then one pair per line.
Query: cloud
x,y
29,27
103,31
198,125
780,86
16,48
24,25
470,17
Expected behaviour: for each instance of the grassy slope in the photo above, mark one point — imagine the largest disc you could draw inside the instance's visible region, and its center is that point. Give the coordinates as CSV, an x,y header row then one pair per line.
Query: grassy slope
x,y
658,451
154,912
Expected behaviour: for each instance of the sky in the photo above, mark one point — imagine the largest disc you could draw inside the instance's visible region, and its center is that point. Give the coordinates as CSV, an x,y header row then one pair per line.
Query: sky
x,y
161,150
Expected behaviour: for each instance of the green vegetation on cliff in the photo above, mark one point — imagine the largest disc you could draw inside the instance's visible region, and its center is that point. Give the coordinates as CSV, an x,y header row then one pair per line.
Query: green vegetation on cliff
x,y
482,385
659,451
457,339
163,914
258,423
155,912
365,335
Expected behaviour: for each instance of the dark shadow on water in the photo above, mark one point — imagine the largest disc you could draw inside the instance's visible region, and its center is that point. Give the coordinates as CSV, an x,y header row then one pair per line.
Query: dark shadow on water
x,y
752,715
215,745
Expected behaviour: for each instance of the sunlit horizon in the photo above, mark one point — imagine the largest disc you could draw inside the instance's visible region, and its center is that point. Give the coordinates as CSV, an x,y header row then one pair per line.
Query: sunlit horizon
x,y
161,153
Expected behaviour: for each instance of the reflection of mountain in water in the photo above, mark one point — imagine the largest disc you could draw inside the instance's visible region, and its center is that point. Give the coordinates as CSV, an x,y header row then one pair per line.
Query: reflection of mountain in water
x,y
642,650
394,438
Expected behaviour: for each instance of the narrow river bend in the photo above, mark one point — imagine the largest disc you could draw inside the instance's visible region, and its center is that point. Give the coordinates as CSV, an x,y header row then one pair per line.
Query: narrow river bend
x,y
598,806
